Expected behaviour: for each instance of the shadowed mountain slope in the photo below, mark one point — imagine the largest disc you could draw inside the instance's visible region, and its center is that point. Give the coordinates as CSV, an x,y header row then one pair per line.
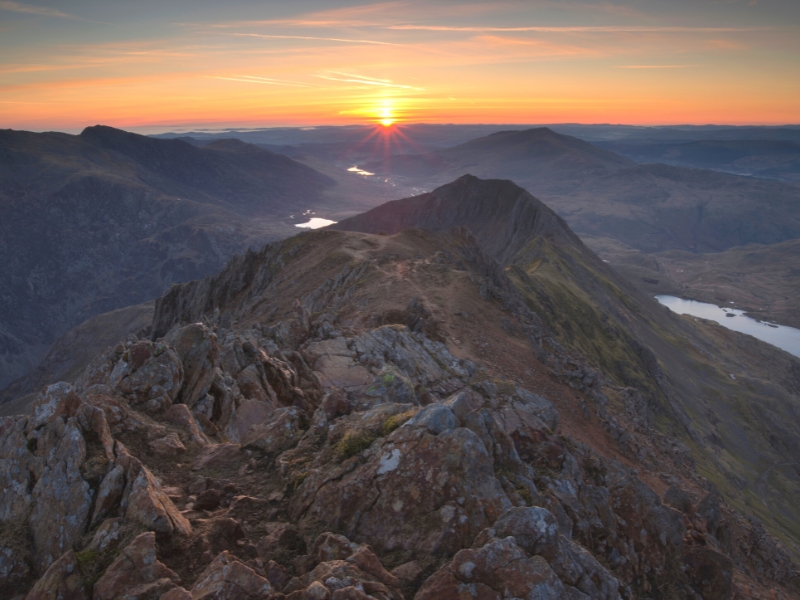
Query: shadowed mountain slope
x,y
769,159
107,219
648,207
762,280
683,366
500,214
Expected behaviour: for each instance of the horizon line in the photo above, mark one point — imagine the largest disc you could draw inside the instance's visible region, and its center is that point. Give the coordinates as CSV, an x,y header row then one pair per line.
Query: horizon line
x,y
187,130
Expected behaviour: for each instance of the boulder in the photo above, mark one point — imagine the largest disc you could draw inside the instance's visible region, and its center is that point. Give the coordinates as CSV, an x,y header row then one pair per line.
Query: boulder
x,y
136,574
56,400
534,529
436,418
61,581
17,465
217,455
678,499
226,577
144,500
343,578
180,416
168,446
149,375
196,348
329,546
281,431
109,493
14,564
499,569
61,499
578,569
710,573
414,491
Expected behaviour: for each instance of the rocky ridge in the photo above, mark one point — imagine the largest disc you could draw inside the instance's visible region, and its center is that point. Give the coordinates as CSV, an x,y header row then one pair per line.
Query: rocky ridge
x,y
649,207
307,424
731,399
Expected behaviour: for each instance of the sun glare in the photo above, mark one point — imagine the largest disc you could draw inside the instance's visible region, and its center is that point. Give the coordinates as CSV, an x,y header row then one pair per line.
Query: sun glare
x,y
386,114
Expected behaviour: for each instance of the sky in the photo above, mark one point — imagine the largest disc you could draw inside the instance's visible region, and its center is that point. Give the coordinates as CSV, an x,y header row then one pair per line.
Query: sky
x,y
151,66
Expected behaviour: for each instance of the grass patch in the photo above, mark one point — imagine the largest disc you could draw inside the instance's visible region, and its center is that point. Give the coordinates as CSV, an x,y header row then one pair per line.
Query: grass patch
x,y
92,564
299,481
16,534
354,442
395,421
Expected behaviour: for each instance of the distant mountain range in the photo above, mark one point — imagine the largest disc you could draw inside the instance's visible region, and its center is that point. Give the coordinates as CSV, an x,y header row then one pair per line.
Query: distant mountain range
x,y
107,219
767,159
649,207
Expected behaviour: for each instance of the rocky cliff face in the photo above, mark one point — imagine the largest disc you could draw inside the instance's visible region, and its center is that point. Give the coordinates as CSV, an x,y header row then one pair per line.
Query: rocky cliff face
x,y
354,416
108,219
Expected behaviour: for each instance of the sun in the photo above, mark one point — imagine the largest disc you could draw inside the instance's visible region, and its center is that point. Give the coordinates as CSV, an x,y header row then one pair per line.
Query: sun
x,y
386,114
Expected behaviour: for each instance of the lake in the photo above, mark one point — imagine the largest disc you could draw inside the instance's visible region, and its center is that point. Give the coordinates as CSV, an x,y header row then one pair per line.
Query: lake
x,y
782,336
360,172
315,223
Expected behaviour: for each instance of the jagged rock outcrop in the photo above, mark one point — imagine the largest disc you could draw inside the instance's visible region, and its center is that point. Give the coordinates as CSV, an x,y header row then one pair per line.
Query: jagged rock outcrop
x,y
136,573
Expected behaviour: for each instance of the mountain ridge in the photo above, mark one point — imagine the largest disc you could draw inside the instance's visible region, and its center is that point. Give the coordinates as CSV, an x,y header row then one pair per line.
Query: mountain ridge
x,y
648,207
631,338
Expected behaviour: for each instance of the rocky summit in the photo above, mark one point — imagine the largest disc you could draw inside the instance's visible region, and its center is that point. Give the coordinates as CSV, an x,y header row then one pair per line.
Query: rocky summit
x,y
353,416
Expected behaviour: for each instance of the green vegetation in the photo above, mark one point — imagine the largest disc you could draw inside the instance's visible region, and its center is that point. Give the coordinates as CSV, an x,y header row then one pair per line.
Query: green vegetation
x,y
354,442
92,564
299,481
395,421
580,322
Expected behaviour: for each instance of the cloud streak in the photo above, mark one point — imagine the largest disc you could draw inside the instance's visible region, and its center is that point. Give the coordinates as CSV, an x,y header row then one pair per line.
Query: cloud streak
x,y
30,9
308,37
575,29
261,80
348,78
656,66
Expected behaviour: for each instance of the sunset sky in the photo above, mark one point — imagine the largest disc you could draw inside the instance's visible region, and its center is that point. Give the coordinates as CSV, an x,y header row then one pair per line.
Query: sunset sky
x,y
150,65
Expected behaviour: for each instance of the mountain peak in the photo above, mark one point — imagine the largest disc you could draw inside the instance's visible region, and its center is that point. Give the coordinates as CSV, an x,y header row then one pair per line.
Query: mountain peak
x,y
502,216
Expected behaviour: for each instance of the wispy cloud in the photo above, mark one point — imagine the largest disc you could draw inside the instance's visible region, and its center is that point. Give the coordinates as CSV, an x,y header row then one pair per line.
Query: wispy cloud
x,y
308,37
655,66
535,47
575,29
261,80
348,78
30,9
379,14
